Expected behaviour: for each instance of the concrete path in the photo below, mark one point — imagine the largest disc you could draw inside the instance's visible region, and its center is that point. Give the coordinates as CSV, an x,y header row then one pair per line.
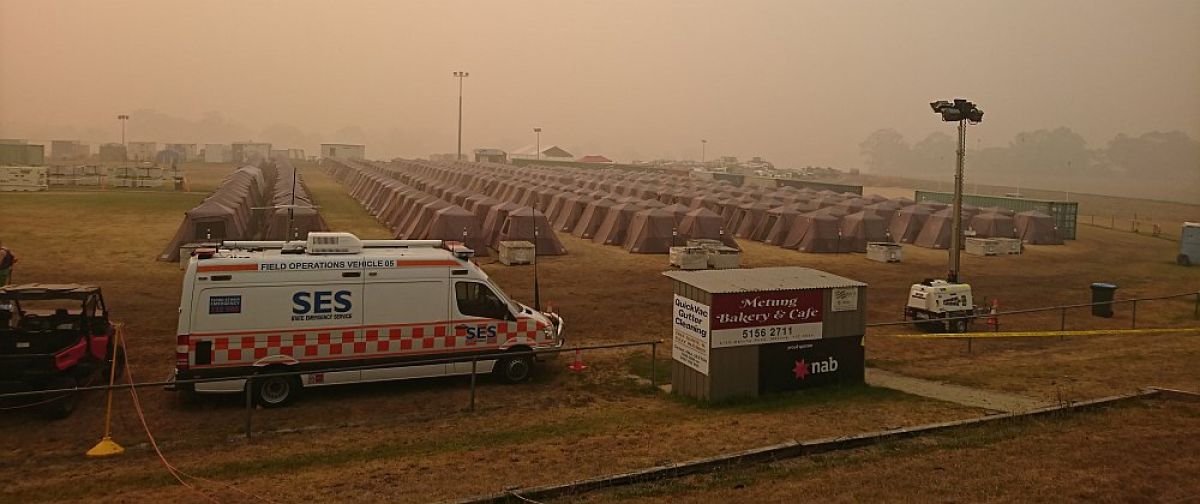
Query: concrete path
x,y
966,396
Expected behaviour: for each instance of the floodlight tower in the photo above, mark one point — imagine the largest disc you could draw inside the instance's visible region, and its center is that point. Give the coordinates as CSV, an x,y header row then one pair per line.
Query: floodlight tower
x,y
960,111
460,76
703,147
123,118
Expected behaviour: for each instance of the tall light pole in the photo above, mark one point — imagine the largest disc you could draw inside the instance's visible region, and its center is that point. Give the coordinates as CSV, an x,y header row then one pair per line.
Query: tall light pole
x,y
123,118
538,146
703,147
960,111
461,76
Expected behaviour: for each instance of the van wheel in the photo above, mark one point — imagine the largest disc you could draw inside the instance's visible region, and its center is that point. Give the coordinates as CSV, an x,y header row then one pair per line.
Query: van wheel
x,y
275,391
515,369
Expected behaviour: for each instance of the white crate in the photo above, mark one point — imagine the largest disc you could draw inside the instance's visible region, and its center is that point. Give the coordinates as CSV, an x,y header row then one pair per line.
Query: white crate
x,y
1009,246
688,258
516,252
884,252
982,247
724,257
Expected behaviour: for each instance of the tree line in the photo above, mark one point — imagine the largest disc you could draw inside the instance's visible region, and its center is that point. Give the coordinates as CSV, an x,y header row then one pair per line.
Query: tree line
x,y
1157,165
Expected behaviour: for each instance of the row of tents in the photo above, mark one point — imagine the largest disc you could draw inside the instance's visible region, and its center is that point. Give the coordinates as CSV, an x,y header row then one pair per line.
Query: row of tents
x,y
427,200
262,200
648,212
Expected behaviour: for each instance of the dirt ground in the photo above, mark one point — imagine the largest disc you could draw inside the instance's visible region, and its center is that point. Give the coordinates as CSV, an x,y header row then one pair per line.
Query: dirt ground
x,y
411,441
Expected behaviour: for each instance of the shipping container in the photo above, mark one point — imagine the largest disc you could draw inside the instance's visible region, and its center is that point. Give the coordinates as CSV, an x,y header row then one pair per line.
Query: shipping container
x,y
1065,213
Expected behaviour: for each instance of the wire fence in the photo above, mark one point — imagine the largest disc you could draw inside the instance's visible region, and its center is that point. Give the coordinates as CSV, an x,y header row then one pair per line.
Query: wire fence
x,y
252,377
1165,229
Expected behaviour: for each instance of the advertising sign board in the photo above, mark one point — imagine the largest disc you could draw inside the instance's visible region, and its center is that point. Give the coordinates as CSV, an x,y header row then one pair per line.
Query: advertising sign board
x,y
757,318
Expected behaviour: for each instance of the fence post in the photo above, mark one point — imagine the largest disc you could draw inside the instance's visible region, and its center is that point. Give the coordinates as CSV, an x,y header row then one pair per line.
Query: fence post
x,y
1133,318
473,364
1196,315
249,403
1063,323
653,364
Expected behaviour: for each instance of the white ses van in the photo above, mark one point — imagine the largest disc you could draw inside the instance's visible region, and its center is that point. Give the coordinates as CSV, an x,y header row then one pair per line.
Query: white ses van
x,y
335,301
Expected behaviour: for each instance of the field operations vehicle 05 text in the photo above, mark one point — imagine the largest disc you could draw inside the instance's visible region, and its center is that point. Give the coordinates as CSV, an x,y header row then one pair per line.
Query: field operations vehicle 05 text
x,y
53,337
940,306
335,301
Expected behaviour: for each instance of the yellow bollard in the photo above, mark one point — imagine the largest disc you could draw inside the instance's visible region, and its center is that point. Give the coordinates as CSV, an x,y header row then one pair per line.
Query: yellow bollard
x,y
107,447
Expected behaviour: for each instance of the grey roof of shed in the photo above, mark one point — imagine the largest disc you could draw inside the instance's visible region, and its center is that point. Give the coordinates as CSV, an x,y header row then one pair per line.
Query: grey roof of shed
x,y
761,279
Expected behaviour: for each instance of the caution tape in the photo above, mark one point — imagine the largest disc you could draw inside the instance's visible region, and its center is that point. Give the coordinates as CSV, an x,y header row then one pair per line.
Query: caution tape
x,y
1042,334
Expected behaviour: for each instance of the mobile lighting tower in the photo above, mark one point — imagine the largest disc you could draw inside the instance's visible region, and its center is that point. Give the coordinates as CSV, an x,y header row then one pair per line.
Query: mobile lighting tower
x,y
948,304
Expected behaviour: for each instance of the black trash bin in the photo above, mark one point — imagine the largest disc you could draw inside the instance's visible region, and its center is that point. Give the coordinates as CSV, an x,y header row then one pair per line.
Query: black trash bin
x,y
1103,294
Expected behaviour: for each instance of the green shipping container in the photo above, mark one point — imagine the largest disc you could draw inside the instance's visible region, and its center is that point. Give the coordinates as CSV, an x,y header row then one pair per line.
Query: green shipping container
x,y
1066,213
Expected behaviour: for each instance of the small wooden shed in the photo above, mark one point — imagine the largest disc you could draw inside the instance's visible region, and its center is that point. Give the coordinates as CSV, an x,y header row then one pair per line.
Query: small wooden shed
x,y
742,332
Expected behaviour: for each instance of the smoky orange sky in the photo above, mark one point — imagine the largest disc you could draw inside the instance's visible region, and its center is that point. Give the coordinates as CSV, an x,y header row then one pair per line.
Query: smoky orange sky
x,y
797,82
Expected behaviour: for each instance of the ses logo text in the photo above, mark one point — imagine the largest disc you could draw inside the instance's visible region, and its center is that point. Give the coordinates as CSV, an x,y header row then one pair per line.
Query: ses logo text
x,y
322,305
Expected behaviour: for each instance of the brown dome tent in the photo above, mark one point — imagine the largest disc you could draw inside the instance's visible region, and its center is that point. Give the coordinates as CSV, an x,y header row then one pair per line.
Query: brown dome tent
x,y
776,224
1037,228
592,217
907,223
938,228
454,223
859,228
520,225
616,224
572,209
702,223
678,212
495,220
745,220
815,232
651,232
993,225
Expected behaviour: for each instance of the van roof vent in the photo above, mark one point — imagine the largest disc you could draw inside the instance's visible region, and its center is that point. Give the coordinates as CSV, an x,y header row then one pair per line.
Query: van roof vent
x,y
334,243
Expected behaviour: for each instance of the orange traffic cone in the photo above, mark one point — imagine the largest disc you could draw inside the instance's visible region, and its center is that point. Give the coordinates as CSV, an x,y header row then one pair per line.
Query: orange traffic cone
x,y
578,365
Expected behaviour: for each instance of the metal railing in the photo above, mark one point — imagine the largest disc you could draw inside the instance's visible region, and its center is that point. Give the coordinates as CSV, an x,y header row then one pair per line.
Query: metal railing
x,y
249,388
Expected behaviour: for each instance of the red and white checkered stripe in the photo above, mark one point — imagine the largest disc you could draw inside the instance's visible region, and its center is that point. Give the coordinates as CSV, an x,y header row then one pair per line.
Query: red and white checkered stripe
x,y
372,341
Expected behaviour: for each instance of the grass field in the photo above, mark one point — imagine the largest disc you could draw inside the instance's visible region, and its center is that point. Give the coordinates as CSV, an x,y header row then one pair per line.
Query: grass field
x,y
412,441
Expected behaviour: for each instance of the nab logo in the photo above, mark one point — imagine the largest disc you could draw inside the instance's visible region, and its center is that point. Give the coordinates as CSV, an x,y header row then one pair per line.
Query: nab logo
x,y
802,369
321,302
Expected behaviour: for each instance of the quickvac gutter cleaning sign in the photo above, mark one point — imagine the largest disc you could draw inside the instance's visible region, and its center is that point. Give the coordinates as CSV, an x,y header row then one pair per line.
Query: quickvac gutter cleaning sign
x,y
690,333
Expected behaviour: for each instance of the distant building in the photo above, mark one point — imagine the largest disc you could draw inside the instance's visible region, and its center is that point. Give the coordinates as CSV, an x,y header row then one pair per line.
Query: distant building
x,y
552,152
20,153
594,159
68,150
345,151
186,152
279,153
113,152
490,156
243,151
218,153
141,151
295,154
443,157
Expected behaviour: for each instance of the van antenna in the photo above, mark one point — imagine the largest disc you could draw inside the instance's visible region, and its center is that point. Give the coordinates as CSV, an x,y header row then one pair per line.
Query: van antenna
x,y
292,207
537,292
